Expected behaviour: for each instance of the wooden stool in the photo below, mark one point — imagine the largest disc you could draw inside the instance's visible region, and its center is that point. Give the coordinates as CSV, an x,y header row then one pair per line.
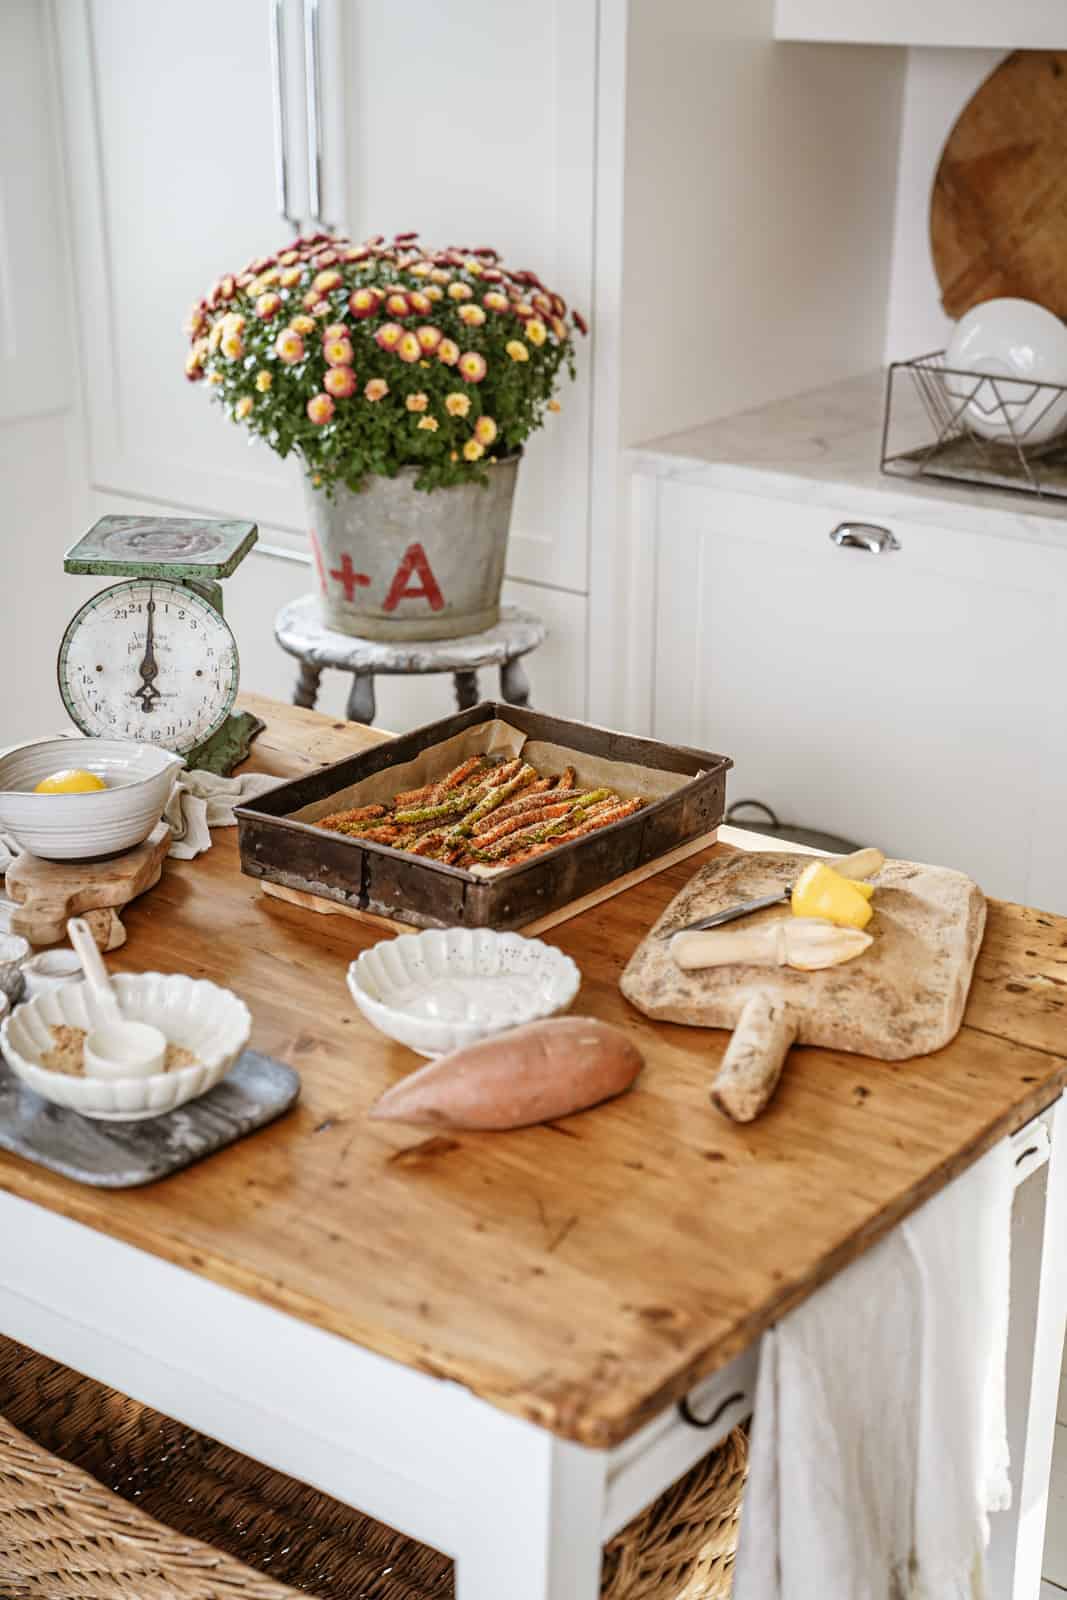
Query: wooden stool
x,y
299,630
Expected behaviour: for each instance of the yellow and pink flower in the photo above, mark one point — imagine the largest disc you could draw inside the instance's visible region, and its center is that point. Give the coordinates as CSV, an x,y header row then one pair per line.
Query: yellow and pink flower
x,y
517,350
429,337
289,347
536,331
472,450
340,382
302,323
268,306
194,365
397,304
358,252
226,288
580,322
364,303
434,292
420,269
311,300
290,277
429,423
473,366
420,302
485,430
417,402
336,330
389,335
376,389
243,407
408,348
460,291
448,352
195,321
264,379
320,408
325,281
457,404
338,352
559,327
493,300
289,257
472,315
439,275
232,346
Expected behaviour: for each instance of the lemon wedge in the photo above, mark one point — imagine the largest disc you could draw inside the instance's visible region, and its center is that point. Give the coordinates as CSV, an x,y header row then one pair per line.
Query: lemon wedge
x,y
822,892
72,780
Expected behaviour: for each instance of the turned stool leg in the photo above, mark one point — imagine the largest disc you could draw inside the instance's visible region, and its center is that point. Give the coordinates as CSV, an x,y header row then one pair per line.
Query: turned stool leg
x,y
361,706
514,684
307,686
466,689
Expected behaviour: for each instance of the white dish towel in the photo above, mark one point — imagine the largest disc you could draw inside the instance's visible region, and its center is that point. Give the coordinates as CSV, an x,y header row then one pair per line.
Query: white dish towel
x,y
201,801
879,1442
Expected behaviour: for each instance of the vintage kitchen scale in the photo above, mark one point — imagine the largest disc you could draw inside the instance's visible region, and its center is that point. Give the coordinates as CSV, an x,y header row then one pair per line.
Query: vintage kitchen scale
x,y
153,658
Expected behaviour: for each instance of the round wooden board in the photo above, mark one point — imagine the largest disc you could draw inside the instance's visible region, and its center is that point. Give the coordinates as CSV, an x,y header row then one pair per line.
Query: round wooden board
x,y
998,210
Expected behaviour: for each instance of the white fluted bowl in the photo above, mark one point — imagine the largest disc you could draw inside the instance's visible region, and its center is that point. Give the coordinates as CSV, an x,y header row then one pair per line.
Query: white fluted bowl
x,y
82,827
211,1022
442,989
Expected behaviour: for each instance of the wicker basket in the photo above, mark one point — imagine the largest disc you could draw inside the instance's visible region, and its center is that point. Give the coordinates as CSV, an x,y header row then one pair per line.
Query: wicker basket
x,y
102,1498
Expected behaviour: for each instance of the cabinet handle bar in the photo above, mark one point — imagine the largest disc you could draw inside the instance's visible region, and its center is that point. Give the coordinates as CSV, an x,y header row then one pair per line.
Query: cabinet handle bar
x,y
865,536
312,100
281,127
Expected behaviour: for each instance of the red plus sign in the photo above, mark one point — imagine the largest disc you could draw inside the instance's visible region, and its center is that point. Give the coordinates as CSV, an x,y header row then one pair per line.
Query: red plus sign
x,y
348,576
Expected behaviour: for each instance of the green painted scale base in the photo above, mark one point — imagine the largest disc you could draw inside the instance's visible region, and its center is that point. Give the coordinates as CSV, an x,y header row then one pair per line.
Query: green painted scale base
x,y
191,552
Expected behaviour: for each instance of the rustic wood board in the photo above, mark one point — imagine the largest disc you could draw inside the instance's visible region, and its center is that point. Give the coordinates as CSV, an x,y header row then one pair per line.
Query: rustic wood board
x,y
998,211
533,930
586,1274
123,1155
49,892
903,997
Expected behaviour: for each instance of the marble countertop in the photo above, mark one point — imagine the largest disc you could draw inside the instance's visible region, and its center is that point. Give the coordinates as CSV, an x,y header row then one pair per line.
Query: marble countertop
x,y
824,447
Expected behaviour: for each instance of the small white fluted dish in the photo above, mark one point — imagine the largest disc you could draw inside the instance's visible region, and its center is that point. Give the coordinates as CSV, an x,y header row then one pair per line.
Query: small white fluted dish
x,y
84,827
1009,339
442,989
210,1022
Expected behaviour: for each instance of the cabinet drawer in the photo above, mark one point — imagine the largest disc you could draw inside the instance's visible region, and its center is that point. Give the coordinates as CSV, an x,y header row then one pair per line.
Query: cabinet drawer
x,y
910,697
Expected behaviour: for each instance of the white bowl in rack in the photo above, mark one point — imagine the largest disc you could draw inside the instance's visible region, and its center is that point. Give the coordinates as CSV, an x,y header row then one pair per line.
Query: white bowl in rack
x,y
441,989
1007,340
212,1023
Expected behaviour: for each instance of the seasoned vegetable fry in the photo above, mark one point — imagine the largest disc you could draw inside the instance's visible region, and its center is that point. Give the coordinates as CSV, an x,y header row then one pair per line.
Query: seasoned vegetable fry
x,y
485,811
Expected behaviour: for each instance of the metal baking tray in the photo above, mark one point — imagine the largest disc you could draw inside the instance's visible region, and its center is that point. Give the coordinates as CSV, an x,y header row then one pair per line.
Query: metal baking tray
x,y
277,845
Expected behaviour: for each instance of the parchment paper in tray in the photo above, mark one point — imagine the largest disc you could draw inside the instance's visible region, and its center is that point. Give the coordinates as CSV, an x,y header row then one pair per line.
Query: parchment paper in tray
x,y
498,738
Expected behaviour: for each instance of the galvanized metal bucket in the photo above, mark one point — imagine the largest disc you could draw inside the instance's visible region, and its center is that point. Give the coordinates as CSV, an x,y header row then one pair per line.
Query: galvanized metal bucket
x,y
395,562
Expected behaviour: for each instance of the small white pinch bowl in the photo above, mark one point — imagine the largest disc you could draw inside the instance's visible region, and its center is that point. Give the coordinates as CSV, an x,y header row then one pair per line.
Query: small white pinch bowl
x,y
1009,339
49,968
211,1022
442,989
85,827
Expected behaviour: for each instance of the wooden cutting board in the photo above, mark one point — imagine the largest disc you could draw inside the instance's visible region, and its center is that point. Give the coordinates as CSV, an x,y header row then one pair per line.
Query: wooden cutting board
x,y
998,211
903,997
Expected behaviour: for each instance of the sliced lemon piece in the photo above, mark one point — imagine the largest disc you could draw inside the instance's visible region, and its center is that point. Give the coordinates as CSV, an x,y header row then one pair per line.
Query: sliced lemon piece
x,y
822,892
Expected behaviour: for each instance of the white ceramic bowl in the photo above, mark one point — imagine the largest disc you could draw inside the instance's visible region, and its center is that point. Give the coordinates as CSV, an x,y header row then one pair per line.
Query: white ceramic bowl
x,y
1009,340
211,1022
439,990
49,968
83,827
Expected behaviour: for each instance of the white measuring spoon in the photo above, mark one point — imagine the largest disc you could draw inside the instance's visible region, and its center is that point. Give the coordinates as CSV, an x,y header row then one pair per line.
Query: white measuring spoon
x,y
116,1048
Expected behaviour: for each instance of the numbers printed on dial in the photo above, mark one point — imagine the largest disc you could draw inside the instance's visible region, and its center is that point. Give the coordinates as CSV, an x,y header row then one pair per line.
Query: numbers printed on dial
x,y
149,660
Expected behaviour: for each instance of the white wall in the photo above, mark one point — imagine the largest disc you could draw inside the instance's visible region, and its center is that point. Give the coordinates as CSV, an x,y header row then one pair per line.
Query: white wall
x,y
937,86
776,165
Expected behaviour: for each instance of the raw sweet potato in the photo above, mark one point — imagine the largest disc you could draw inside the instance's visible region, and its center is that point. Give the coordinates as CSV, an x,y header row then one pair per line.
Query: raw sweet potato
x,y
532,1074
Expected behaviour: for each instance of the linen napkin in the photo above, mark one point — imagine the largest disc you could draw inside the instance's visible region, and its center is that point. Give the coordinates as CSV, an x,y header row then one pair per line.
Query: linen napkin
x,y
203,800
879,1441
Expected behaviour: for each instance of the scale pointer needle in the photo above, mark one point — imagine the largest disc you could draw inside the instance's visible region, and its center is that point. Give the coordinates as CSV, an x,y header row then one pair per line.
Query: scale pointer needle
x,y
147,693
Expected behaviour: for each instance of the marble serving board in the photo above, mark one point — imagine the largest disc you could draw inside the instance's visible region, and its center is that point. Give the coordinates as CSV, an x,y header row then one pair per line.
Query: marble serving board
x,y
123,1155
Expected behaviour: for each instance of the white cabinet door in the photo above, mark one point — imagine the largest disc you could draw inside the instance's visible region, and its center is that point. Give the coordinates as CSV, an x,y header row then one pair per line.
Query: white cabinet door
x,y
170,142
914,700
475,125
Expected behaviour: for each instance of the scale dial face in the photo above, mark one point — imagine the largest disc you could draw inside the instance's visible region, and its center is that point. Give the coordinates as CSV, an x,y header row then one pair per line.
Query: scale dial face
x,y
149,660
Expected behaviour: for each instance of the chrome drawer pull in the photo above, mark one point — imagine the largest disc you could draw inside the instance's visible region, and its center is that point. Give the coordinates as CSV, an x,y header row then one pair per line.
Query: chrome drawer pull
x,y
864,536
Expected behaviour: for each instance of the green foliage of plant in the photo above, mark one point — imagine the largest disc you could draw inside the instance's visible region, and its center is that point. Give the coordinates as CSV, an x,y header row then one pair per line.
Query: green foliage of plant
x,y
365,359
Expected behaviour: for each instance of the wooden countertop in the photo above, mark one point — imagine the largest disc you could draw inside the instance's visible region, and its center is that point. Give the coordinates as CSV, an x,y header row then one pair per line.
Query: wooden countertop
x,y
583,1274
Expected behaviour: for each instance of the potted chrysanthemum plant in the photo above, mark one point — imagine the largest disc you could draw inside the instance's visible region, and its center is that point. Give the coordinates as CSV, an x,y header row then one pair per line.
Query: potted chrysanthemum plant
x,y
406,380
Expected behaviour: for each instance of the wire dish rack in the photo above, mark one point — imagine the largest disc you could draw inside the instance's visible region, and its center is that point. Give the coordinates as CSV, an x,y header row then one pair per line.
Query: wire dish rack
x,y
998,432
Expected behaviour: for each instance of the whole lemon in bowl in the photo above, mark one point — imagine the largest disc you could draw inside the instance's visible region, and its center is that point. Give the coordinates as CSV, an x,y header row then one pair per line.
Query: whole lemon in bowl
x,y
72,780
